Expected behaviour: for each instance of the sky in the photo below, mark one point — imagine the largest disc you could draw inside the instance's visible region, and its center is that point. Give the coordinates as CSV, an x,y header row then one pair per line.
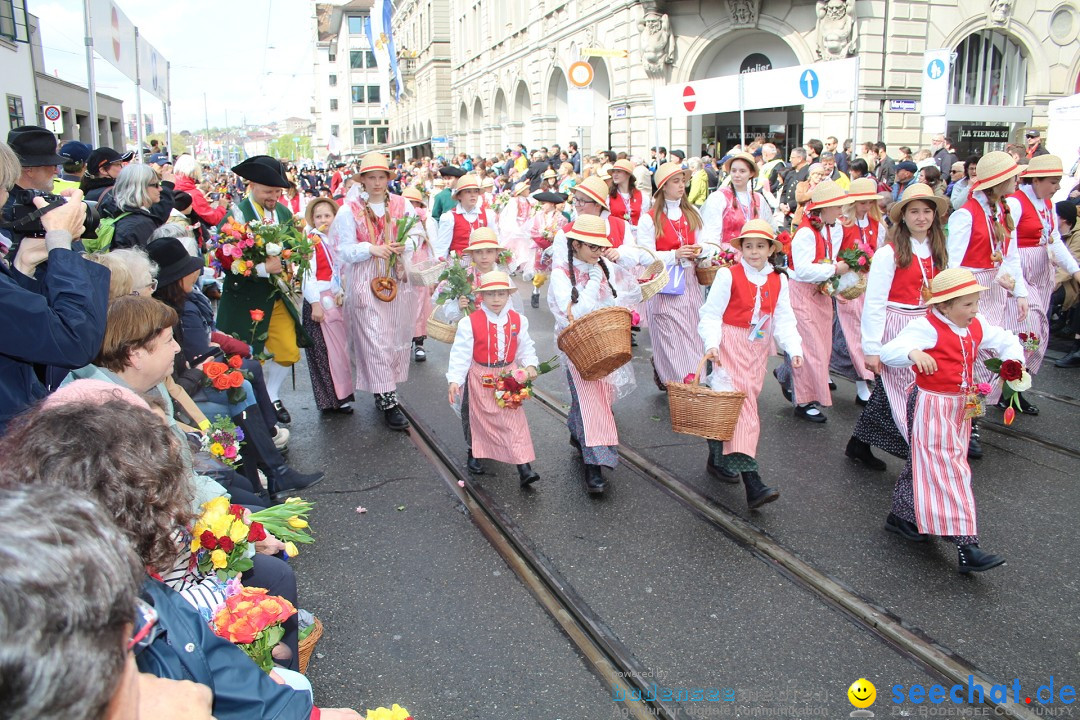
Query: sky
x,y
252,58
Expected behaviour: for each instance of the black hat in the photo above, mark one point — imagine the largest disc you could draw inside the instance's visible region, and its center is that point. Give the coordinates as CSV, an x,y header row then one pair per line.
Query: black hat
x,y
173,260
105,156
35,146
451,171
551,197
264,170
679,154
1067,212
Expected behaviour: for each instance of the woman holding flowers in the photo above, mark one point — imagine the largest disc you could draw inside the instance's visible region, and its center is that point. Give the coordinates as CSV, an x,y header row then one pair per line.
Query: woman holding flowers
x,y
373,239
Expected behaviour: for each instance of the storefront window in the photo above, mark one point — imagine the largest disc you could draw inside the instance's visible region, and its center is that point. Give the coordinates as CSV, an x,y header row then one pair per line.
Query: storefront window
x,y
989,69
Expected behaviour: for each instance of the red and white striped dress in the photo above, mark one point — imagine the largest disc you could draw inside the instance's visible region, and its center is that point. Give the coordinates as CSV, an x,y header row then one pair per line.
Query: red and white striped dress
x,y
813,310
849,312
424,306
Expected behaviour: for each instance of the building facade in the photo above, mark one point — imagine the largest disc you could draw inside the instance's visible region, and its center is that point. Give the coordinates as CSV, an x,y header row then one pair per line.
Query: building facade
x,y
509,62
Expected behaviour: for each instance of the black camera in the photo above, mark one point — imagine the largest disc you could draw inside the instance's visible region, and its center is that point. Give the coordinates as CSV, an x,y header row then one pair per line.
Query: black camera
x,y
23,218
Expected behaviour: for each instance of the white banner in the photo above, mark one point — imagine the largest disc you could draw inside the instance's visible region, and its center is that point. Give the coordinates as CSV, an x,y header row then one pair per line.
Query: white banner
x,y
579,105
114,35
935,82
153,71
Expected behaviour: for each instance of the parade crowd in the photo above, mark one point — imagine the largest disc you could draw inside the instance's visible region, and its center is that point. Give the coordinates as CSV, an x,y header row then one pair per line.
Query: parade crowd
x,y
154,307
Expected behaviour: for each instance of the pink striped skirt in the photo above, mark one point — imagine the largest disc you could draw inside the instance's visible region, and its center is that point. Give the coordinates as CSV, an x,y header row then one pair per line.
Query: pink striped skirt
x,y
941,476
673,321
380,333
813,316
849,313
501,434
1039,276
337,346
595,398
745,361
897,381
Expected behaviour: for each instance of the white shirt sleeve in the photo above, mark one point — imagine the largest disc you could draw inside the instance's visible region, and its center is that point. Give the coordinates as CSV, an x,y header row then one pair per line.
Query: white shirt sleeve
x,y
878,284
710,324
526,349
918,334
343,236
785,328
588,294
803,251
461,353
1011,264
1001,342
959,237
311,288
444,236
493,222
712,217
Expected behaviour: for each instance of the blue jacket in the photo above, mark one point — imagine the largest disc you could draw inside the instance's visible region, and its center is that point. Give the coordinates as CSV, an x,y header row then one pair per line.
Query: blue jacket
x,y
56,318
184,648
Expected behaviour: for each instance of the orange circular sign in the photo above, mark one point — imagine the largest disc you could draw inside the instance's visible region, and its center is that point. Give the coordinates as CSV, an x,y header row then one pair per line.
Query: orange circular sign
x,y
580,74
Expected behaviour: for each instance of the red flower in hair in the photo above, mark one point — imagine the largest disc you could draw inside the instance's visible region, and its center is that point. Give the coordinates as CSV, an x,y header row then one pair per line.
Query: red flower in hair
x,y
1011,370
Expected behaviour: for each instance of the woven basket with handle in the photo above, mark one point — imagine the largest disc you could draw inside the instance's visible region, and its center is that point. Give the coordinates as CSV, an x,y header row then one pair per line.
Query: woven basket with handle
x,y
699,410
660,276
706,275
438,330
597,343
307,645
426,273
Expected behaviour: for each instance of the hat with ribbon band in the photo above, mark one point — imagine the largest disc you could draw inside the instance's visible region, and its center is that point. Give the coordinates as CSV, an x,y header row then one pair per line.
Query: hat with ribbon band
x,y
953,283
759,230
591,229
495,280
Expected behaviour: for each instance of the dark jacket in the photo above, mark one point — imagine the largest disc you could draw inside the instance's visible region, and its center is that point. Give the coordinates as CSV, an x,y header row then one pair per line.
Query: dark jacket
x,y
135,228
535,174
944,160
184,648
94,188
196,324
56,318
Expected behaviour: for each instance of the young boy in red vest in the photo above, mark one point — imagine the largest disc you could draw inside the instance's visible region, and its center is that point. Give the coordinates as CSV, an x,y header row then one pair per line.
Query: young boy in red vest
x,y
933,494
493,342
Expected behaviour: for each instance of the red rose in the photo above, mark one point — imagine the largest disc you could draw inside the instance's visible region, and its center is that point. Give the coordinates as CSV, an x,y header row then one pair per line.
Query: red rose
x,y
257,315
221,383
237,511
226,544
235,362
235,379
207,540
256,532
1011,370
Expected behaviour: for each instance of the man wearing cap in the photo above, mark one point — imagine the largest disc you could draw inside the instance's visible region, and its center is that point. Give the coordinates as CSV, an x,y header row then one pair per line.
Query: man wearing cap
x,y
75,155
1034,144
444,201
280,323
905,176
103,166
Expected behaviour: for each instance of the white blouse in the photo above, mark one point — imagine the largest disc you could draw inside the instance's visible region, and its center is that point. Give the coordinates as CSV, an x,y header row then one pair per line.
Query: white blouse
x,y
960,237
646,236
1058,250
348,250
878,286
804,251
712,212
710,326
461,354
919,334
445,235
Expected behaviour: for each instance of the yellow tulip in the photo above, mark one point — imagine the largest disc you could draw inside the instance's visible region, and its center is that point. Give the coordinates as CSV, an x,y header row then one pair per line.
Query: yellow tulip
x,y
290,549
298,522
220,526
219,558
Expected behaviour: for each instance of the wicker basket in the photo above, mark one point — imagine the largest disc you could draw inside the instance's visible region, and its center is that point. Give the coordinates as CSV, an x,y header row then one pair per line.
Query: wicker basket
x,y
698,410
598,343
307,645
706,275
427,272
438,330
660,276
856,290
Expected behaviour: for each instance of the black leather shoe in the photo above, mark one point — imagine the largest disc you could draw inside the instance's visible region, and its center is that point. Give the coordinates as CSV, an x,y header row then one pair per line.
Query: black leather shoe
x,y
859,451
527,475
535,302
594,480
757,493
474,466
974,447
801,411
395,419
285,483
721,473
905,529
1072,360
832,386
633,339
783,389
342,409
419,354
283,415
972,559
1026,407
860,402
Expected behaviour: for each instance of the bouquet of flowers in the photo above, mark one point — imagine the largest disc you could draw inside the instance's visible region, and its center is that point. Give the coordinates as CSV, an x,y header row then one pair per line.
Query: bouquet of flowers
x,y
505,258
723,258
975,405
227,377
501,201
287,522
1015,377
1030,341
511,388
456,282
222,440
251,619
853,284
239,248
394,713
222,543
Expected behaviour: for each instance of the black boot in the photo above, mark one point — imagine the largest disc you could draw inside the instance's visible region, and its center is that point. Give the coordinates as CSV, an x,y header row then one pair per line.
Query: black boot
x,y
860,451
395,419
783,388
527,475
1026,407
259,449
1072,360
594,480
474,466
757,492
974,447
283,415
972,559
720,472
904,528
418,353
535,302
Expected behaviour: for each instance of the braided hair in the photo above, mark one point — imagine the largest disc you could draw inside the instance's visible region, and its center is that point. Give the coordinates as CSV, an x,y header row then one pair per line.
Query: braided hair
x,y
573,276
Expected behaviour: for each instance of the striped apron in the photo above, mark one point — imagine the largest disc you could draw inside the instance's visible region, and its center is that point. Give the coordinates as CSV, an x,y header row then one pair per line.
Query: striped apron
x,y
992,305
594,398
813,316
745,361
673,321
941,476
896,381
501,434
1039,275
849,313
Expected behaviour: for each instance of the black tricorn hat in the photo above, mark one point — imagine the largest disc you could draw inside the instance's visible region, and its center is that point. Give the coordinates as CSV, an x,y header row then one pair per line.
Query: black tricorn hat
x,y
451,171
35,146
264,170
551,197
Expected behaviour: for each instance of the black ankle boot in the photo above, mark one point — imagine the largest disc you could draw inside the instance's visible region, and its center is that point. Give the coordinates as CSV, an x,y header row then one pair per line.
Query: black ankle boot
x,y
721,473
395,419
974,447
474,466
594,480
259,449
860,451
527,475
535,302
904,528
972,559
757,492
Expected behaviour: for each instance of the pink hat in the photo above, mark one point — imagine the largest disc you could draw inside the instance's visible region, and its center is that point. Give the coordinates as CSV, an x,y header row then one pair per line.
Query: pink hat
x,y
93,392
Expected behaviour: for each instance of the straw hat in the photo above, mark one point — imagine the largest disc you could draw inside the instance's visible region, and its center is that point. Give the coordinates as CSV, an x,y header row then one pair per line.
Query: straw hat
x,y
993,169
759,229
495,280
374,162
917,191
952,283
467,182
864,188
745,156
413,194
595,189
605,171
625,165
487,183
549,174
483,238
589,229
1043,166
665,172
521,189
827,194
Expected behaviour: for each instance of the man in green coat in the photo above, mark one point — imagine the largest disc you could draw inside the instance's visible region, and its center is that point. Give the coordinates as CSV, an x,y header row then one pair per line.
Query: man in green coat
x,y
278,328
445,201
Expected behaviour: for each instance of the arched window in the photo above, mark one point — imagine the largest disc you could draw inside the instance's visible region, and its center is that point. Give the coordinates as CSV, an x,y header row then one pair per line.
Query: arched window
x,y
989,69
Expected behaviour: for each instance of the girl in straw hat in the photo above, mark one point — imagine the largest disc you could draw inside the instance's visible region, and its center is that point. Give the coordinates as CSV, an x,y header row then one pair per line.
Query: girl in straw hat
x,y
672,231
748,306
1037,238
897,288
423,252
364,237
482,256
583,280
727,211
980,239
813,252
456,225
933,494
493,341
625,200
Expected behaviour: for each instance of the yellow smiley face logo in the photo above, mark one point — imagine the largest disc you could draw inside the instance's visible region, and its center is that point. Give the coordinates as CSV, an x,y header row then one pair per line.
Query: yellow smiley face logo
x,y
862,693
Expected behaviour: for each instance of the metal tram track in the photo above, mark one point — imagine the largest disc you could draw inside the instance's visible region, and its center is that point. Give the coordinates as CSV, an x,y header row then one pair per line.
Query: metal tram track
x,y
598,644
909,641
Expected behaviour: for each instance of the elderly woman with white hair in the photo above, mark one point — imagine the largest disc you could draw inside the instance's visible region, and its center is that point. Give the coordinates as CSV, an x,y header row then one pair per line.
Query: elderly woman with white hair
x,y
137,189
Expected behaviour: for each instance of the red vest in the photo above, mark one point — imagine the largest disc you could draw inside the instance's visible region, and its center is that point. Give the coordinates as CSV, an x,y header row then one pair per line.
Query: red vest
x,y
485,343
952,373
740,307
853,235
323,269
907,282
672,232
980,249
1029,227
823,249
618,207
463,228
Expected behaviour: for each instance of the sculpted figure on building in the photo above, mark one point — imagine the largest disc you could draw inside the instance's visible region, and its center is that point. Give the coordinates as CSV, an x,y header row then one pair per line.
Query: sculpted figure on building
x,y
657,40
836,32
744,13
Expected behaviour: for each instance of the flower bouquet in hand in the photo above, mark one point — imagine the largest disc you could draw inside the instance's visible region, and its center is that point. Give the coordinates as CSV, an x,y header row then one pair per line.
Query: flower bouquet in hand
x,y
456,282
227,377
251,619
501,201
222,543
1029,341
850,285
1015,378
222,440
393,713
287,522
511,388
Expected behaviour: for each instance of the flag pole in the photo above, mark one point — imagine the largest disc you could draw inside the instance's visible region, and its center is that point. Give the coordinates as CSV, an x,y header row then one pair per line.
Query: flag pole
x,y
89,40
138,104
168,109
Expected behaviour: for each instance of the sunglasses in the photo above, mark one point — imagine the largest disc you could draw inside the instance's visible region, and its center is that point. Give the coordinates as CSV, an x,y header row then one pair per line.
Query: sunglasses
x,y
142,635
157,185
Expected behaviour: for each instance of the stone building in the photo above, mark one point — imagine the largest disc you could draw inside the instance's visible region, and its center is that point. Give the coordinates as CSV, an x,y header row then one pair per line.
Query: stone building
x,y
508,64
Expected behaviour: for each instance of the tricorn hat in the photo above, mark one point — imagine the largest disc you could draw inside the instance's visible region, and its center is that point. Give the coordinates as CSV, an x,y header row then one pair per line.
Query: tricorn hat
x,y
262,170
